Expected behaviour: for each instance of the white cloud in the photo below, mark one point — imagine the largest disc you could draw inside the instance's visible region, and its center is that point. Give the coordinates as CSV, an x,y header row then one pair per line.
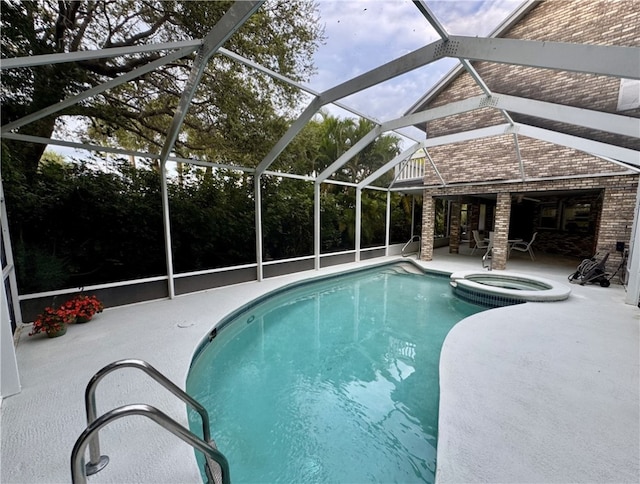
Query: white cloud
x,y
472,18
364,34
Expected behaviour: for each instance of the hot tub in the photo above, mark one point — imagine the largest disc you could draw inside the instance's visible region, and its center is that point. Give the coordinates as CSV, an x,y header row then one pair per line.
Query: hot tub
x,y
495,289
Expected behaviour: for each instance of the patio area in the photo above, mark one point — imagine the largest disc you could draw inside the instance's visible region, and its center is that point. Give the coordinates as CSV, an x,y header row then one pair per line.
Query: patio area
x,y
532,392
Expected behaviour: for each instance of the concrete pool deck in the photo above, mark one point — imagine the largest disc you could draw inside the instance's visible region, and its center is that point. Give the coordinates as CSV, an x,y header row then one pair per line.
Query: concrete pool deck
x,y
539,392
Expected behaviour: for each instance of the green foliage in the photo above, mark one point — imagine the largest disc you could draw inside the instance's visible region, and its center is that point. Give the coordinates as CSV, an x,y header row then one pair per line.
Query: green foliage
x,y
441,216
401,217
212,220
287,218
79,226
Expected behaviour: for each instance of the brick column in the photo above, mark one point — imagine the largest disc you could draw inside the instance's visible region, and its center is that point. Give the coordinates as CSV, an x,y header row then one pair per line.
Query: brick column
x,y
454,228
428,227
616,220
501,231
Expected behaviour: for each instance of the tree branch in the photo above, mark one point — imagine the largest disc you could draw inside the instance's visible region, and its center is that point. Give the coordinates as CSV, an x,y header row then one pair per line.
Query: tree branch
x,y
65,21
100,67
141,35
75,43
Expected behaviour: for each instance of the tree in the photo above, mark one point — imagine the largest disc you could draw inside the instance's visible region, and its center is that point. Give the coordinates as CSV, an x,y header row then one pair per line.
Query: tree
x,y
282,35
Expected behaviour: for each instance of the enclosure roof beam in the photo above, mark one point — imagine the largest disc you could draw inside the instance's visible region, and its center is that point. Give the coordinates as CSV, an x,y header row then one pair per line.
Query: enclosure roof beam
x,y
619,163
516,145
120,151
94,91
582,117
431,18
434,166
406,63
442,32
519,181
389,165
606,60
294,176
612,123
497,130
593,59
291,133
373,187
231,21
82,55
361,144
587,118
209,164
435,23
339,182
450,109
592,147
70,144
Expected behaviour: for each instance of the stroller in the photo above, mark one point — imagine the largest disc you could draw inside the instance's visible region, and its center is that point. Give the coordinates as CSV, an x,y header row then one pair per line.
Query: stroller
x,y
592,270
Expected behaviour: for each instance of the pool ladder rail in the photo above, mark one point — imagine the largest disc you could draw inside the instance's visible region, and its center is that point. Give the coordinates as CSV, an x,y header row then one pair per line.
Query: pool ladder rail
x,y
216,467
413,239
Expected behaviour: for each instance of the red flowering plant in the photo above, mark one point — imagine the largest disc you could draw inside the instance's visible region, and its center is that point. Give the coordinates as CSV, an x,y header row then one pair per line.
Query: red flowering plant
x,y
84,307
52,320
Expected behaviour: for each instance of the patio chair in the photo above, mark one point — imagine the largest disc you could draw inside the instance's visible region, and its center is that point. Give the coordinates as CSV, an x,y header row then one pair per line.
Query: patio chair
x,y
524,246
480,243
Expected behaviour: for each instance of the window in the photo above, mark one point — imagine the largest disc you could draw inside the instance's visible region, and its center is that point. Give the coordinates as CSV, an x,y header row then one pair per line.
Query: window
x,y
548,216
464,220
575,217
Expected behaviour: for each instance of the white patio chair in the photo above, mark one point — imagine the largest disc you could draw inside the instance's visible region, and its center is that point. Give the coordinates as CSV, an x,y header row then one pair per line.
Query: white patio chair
x,y
480,243
524,246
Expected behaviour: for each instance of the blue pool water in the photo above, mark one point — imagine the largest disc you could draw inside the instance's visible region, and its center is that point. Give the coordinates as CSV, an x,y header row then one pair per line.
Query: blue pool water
x,y
334,381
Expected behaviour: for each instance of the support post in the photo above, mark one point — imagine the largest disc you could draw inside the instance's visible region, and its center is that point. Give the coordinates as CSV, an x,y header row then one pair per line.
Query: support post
x,y
633,284
232,20
358,228
388,224
501,231
316,224
167,229
9,377
258,219
10,263
428,222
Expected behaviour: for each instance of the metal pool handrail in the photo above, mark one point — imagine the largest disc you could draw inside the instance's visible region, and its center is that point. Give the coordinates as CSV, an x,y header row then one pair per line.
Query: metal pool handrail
x,y
98,462
414,238
78,475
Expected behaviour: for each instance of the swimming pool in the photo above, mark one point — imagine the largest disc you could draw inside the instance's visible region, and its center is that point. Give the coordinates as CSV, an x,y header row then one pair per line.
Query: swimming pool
x,y
331,381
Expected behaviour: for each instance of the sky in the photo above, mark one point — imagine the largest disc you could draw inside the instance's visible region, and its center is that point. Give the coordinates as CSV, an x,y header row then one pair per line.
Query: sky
x,y
363,34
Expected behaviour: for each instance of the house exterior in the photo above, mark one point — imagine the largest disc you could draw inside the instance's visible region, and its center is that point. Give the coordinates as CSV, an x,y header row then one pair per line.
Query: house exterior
x,y
515,184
